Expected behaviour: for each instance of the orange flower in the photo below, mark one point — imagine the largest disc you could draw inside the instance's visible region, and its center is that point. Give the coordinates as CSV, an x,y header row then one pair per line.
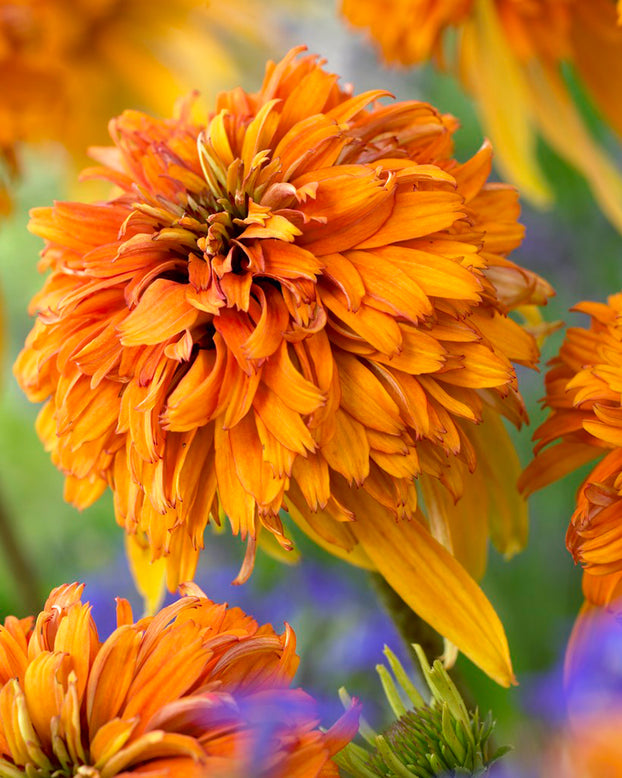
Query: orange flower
x,y
200,689
589,748
304,304
584,395
66,66
508,54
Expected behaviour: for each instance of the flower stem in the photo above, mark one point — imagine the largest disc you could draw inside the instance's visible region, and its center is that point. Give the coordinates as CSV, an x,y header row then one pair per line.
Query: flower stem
x,y
22,570
413,629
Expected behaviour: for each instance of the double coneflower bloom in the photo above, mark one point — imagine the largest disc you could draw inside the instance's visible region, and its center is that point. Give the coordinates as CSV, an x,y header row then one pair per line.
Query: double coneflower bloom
x,y
511,56
584,396
303,305
66,66
197,690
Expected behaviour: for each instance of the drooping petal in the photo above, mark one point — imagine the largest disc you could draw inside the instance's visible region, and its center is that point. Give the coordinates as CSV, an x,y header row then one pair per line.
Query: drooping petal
x,y
413,562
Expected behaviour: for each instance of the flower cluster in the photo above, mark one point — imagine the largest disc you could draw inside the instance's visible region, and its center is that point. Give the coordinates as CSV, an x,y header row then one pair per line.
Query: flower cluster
x,y
198,689
303,304
508,54
299,309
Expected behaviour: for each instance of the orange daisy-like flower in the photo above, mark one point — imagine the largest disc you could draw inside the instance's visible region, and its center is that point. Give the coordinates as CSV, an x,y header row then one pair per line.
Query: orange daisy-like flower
x,y
584,395
200,689
66,66
509,55
303,305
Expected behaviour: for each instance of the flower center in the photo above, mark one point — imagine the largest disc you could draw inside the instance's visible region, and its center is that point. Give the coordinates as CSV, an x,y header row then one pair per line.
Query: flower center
x,y
235,188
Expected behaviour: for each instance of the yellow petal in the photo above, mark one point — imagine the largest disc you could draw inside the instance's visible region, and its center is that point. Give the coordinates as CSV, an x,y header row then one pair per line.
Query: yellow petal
x,y
336,538
462,527
496,477
495,78
562,127
436,586
109,739
148,576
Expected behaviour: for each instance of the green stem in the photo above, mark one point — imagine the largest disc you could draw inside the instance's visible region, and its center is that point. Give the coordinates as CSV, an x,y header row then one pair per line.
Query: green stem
x,y
22,570
413,629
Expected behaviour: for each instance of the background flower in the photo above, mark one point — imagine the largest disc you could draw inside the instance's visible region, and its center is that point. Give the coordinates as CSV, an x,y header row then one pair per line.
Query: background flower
x,y
514,57
585,743
67,67
584,398
197,689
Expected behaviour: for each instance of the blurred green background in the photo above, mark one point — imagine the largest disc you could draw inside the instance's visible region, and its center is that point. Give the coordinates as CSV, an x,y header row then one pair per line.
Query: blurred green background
x,y
331,606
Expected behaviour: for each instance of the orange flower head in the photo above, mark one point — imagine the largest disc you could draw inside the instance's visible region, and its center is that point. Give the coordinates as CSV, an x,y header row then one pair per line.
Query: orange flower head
x,y
302,305
508,55
584,397
181,694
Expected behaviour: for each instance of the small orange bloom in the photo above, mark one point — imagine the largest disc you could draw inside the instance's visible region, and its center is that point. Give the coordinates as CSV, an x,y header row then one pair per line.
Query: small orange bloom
x,y
304,304
200,689
584,395
589,748
508,54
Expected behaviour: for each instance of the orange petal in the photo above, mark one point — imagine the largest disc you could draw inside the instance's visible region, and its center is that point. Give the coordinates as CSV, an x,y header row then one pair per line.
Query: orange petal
x,y
162,312
111,676
416,214
347,451
554,463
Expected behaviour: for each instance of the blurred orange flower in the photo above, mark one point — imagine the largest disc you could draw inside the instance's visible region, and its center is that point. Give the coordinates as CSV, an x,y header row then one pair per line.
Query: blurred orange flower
x,y
66,66
303,305
589,748
200,689
510,55
584,396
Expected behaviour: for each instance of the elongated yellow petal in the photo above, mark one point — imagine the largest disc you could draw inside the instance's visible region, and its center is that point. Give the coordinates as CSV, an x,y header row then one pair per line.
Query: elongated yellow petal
x,y
356,555
462,527
562,126
436,586
494,76
496,476
149,576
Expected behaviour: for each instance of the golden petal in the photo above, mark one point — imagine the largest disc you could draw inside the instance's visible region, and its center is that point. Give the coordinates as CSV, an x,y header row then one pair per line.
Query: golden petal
x,y
435,586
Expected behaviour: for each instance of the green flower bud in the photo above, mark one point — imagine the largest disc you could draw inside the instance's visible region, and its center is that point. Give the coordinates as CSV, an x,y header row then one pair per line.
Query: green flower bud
x,y
435,738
